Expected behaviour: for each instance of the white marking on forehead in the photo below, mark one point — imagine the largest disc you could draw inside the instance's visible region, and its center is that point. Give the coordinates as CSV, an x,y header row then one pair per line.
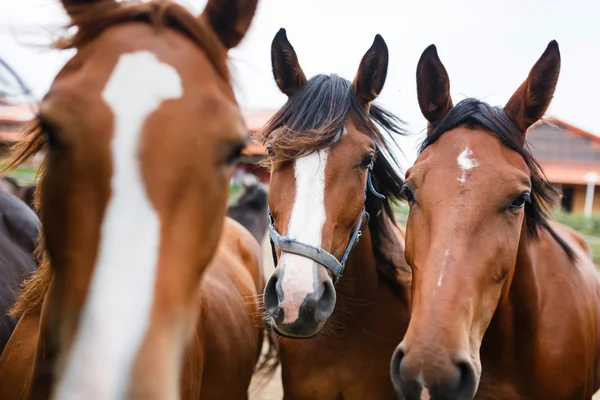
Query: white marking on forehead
x,y
306,225
466,162
118,307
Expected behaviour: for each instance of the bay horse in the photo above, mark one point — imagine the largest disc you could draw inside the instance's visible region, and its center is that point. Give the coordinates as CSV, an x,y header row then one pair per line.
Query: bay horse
x,y
19,229
505,302
333,182
145,289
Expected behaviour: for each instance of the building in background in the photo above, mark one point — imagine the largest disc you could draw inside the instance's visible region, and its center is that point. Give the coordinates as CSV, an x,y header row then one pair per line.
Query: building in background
x,y
570,158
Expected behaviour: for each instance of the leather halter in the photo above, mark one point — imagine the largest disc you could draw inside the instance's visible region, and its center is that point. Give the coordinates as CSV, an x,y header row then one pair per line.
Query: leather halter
x,y
291,245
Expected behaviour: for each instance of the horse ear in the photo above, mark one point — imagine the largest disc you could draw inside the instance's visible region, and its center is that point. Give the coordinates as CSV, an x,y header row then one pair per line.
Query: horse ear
x,y
433,86
229,19
372,71
286,69
532,98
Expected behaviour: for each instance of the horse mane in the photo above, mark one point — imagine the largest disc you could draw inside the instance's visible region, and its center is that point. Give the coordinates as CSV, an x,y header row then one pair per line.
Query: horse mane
x,y
474,113
91,20
314,118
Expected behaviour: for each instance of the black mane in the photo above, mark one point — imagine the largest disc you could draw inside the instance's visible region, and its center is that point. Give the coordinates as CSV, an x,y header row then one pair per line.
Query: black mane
x,y
314,118
476,114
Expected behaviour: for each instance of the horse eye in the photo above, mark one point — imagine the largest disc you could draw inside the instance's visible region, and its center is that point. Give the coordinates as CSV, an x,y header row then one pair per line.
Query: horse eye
x,y
408,194
520,201
367,162
235,154
48,134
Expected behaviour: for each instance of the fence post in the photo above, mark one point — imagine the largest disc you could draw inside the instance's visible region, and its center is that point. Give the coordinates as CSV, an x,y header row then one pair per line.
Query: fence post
x,y
591,178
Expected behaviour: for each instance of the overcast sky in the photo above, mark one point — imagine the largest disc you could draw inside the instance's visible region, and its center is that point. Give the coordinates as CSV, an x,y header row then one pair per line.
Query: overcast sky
x,y
487,47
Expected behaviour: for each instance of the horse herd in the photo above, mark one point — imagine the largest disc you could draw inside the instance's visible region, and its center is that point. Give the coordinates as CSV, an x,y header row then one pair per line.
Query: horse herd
x,y
142,288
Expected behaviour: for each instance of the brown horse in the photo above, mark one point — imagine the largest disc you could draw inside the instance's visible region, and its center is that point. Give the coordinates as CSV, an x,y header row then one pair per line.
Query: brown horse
x,y
142,131
505,304
331,170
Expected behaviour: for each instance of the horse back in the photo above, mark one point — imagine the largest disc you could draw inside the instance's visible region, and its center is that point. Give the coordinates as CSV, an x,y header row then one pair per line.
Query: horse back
x,y
570,293
229,332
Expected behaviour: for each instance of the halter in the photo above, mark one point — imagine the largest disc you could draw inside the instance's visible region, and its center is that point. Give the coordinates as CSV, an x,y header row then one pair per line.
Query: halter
x,y
291,245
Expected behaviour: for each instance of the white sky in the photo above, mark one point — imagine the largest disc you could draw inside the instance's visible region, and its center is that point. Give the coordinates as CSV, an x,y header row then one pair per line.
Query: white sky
x,y
487,47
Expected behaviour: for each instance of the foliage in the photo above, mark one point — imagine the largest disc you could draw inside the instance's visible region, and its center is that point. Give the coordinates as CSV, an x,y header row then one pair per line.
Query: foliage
x,y
578,222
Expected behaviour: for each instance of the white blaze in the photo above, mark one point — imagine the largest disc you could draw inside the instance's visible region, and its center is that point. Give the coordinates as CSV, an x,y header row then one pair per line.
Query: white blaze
x,y
116,314
465,163
441,278
306,225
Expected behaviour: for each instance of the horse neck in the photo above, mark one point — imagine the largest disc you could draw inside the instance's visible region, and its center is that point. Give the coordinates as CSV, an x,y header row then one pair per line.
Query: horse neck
x,y
360,279
363,287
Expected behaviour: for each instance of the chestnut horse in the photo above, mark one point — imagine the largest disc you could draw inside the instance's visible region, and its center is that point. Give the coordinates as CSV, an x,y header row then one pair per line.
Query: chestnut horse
x,y
332,185
505,303
142,131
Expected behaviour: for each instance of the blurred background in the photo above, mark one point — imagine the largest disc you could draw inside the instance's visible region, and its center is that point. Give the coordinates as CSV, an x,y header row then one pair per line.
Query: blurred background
x,y
487,48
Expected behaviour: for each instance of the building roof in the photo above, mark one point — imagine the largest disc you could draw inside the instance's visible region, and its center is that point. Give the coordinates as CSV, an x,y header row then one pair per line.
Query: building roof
x,y
566,153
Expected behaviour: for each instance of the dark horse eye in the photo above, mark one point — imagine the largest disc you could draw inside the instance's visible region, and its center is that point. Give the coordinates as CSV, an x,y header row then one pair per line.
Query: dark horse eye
x,y
235,154
48,134
520,201
367,162
408,194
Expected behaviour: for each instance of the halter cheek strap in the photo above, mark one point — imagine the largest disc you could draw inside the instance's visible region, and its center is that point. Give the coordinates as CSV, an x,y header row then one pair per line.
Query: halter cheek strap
x,y
291,245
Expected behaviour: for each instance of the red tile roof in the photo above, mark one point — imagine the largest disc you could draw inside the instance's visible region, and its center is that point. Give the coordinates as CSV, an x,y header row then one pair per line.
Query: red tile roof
x,y
574,174
566,153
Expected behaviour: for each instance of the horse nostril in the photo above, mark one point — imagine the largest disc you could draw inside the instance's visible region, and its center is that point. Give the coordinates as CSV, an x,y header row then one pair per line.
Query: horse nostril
x,y
467,383
272,298
325,301
395,368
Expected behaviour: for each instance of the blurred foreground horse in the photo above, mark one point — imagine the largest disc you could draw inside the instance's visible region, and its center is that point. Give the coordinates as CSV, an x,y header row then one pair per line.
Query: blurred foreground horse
x,y
145,290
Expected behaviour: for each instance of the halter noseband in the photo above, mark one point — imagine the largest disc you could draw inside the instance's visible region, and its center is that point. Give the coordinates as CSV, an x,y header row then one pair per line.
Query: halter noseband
x,y
291,245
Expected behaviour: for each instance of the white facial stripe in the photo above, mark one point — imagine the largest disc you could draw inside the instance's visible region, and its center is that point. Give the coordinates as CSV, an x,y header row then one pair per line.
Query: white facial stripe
x,y
441,278
306,225
118,307
465,163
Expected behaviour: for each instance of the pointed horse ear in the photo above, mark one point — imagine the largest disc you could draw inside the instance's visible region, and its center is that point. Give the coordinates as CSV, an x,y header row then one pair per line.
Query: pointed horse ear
x,y
531,100
372,71
433,86
229,19
286,69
